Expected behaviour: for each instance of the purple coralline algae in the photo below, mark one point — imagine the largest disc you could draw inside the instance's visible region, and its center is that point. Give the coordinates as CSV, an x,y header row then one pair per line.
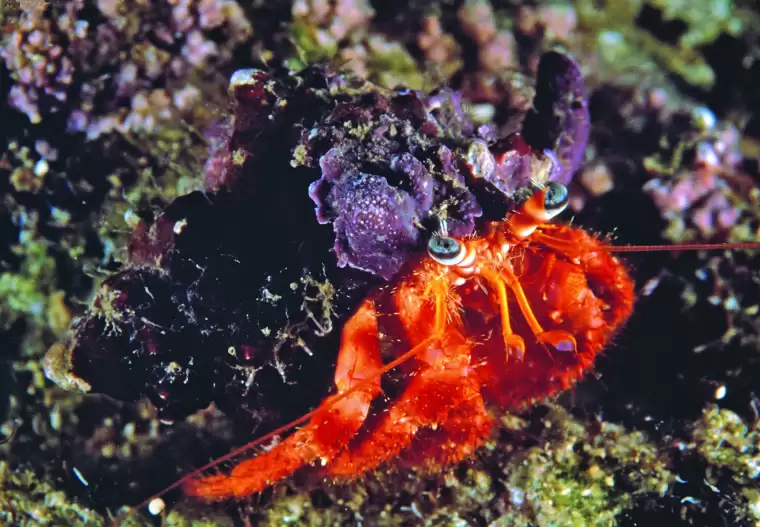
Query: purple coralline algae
x,y
439,48
497,49
110,65
696,189
334,21
383,186
689,165
217,304
559,119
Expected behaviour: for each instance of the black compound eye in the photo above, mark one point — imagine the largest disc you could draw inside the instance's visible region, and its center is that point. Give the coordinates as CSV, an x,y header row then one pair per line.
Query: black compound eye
x,y
556,197
445,250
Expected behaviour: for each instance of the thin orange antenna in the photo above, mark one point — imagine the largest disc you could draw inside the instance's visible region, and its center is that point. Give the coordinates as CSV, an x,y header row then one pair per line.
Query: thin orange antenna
x,y
684,247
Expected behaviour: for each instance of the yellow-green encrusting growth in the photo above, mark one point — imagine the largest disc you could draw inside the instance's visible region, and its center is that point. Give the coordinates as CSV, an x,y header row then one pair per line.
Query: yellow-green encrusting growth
x,y
620,41
729,444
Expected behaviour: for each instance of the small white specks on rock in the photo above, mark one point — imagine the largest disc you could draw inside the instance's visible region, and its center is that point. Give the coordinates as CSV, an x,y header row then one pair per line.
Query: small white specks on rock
x,y
41,168
482,113
180,226
156,506
131,219
516,496
704,118
128,431
706,155
243,77
731,304
80,477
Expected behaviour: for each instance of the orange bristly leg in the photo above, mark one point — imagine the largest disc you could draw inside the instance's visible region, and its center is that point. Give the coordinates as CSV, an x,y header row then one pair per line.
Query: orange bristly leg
x,y
558,338
441,384
334,423
438,387
514,344
506,278
464,430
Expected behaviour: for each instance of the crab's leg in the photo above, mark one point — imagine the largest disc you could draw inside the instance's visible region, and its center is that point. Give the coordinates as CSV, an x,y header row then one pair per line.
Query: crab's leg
x,y
515,344
441,385
541,207
465,428
334,423
437,388
559,339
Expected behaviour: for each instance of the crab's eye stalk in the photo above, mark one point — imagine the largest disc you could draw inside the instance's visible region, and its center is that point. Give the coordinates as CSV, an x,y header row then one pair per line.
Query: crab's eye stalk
x,y
445,250
555,198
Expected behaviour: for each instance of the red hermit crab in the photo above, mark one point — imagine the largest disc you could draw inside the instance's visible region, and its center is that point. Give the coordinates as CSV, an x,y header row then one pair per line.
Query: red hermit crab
x,y
506,316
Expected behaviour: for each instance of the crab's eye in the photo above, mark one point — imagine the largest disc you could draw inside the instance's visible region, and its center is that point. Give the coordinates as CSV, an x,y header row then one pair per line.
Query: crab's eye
x,y
555,198
445,250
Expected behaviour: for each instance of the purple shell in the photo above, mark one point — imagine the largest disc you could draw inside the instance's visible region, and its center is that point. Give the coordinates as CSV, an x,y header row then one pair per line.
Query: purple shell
x,y
388,179
377,219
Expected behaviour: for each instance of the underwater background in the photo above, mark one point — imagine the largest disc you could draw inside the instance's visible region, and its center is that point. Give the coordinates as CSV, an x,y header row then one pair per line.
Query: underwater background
x,y
125,124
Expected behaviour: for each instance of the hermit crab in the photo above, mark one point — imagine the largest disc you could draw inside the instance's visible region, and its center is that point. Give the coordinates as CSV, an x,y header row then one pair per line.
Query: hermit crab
x,y
508,315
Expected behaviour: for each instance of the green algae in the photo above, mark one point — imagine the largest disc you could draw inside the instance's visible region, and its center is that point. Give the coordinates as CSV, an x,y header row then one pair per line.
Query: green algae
x,y
622,44
730,447
724,440
29,501
42,283
582,474
705,19
390,65
30,292
308,46
181,516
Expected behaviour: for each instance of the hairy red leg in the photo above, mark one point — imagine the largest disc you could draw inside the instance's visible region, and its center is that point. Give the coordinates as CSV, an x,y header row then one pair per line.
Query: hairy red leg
x,y
513,344
335,422
559,339
572,243
435,390
465,428
437,386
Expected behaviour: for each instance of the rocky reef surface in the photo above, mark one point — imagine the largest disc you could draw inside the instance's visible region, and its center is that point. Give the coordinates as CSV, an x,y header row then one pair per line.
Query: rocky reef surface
x,y
131,130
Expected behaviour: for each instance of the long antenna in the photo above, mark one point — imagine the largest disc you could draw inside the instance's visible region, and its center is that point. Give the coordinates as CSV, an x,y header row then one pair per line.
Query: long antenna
x,y
684,247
